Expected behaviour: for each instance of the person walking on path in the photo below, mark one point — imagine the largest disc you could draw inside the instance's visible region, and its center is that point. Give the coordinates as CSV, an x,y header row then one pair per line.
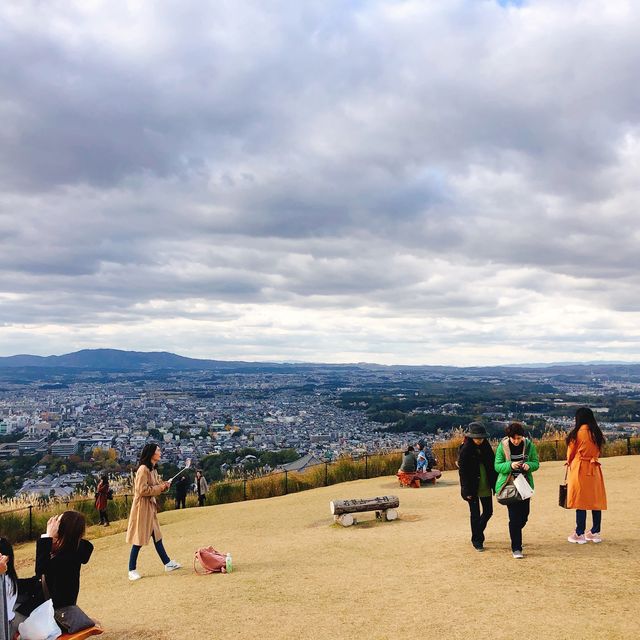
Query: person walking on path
x,y
102,497
181,492
201,488
143,519
514,456
477,479
585,484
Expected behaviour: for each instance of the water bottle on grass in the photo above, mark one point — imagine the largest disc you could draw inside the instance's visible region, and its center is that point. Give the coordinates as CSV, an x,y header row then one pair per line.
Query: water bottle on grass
x,y
229,563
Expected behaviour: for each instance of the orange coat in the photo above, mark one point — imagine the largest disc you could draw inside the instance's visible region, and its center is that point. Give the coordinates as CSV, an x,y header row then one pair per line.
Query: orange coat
x,y
585,488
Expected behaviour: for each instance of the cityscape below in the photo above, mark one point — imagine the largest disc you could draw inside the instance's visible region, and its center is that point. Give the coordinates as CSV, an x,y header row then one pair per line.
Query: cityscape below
x,y
65,421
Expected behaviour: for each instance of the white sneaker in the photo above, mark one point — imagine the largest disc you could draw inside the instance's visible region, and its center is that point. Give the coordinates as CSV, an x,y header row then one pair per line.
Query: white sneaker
x,y
518,554
172,565
134,575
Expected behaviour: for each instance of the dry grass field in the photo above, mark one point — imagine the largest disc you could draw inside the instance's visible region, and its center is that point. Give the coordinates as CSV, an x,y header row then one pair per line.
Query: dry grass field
x,y
297,575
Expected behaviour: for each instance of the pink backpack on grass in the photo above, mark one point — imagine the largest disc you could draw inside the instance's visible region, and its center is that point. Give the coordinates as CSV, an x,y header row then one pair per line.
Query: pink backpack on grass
x,y
210,560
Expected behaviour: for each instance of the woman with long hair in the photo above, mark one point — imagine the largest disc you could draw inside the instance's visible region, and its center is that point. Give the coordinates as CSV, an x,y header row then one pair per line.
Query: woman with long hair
x,y
143,519
59,555
102,498
585,483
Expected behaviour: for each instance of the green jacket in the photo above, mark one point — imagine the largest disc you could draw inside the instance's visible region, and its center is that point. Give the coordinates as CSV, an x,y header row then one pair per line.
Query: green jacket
x,y
503,466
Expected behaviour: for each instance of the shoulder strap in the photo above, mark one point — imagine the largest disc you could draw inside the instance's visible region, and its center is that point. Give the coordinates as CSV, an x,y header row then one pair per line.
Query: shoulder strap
x,y
505,448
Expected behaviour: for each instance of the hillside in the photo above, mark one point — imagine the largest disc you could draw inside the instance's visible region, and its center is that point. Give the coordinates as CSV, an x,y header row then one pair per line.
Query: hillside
x,y
298,575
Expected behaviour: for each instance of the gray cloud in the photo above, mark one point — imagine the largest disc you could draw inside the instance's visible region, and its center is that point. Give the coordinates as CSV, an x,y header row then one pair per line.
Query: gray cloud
x,y
359,178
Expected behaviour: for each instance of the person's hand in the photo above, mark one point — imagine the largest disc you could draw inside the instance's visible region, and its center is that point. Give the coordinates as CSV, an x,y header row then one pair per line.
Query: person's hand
x,y
469,498
165,486
4,561
52,526
515,466
525,466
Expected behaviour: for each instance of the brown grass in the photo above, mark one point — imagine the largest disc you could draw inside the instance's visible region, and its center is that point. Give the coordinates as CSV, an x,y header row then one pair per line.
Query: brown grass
x,y
300,575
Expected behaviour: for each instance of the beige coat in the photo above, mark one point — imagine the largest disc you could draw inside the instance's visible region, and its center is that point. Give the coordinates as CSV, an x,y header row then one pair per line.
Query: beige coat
x,y
143,519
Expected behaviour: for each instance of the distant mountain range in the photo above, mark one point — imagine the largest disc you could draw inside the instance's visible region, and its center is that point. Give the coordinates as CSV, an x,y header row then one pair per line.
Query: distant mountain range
x,y
118,360
105,359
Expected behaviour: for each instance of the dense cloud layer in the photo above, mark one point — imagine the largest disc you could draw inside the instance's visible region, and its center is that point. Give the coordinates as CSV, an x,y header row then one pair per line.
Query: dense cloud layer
x,y
392,181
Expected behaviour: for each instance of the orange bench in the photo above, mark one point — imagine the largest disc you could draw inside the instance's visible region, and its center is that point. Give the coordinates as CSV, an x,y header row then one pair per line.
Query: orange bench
x,y
416,480
81,635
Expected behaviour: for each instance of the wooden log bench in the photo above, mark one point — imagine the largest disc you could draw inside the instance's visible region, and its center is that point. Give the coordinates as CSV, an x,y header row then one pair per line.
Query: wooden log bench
x,y
82,635
416,479
384,506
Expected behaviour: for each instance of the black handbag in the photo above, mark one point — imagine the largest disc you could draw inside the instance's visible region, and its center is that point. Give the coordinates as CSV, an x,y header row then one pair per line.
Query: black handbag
x,y
72,619
562,491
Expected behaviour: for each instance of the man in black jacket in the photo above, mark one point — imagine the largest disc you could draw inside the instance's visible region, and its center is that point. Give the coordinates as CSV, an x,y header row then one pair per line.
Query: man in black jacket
x,y
477,480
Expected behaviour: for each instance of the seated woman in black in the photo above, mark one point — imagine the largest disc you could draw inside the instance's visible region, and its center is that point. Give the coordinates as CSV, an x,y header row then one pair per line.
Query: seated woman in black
x,y
60,553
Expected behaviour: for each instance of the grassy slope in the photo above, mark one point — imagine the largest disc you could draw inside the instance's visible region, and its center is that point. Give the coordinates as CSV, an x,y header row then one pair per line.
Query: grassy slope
x,y
298,575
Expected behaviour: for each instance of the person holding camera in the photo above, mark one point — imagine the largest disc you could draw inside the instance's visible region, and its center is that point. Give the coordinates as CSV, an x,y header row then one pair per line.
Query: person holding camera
x,y
477,479
522,459
143,519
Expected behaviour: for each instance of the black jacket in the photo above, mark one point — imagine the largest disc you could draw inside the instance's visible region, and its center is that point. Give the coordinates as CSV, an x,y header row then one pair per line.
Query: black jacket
x,y
62,572
182,484
471,455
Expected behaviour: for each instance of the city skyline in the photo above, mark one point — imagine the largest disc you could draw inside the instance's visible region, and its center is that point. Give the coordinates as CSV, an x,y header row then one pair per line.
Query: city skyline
x,y
393,182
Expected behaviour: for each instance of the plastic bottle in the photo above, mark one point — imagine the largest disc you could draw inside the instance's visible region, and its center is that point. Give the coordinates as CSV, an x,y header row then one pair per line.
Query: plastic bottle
x,y
229,564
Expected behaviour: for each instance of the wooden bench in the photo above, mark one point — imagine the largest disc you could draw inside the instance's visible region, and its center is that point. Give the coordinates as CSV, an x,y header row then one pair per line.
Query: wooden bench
x,y
416,479
81,635
384,506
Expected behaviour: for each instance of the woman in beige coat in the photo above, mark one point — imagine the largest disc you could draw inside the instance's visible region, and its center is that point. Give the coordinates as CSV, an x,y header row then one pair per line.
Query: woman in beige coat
x,y
143,519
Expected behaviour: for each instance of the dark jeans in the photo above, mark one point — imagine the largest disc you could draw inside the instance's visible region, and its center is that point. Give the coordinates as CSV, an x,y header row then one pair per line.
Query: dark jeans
x,y
104,518
581,521
479,520
135,550
518,516
201,499
181,501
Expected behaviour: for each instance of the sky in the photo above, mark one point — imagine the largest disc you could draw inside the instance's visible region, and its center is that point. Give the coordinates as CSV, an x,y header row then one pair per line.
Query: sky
x,y
394,181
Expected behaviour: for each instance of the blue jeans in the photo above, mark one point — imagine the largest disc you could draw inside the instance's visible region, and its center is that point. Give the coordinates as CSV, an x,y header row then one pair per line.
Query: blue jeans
x,y
581,521
135,550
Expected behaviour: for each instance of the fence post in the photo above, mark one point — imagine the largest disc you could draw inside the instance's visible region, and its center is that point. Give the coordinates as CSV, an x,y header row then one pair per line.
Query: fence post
x,y
366,466
326,474
444,459
286,482
244,487
628,445
556,449
30,521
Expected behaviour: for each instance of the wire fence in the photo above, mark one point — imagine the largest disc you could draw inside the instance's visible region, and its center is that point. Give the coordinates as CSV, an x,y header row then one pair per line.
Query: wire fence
x,y
25,523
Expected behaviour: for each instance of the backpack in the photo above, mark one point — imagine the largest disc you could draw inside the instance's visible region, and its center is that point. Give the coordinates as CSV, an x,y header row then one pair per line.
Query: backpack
x,y
210,560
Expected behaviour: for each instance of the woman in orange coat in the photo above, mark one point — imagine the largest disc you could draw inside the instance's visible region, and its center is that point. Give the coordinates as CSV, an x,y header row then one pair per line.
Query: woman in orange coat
x,y
585,484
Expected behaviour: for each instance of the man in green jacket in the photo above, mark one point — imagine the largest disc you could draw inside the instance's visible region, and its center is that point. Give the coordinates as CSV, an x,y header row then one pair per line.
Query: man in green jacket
x,y
514,456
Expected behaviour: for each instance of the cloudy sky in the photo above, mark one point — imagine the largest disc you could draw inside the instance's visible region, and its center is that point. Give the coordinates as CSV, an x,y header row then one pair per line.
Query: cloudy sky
x,y
394,181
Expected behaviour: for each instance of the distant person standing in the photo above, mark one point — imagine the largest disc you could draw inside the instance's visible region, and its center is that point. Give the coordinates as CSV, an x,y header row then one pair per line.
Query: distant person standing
x,y
181,484
514,456
585,483
102,497
477,479
201,488
143,519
